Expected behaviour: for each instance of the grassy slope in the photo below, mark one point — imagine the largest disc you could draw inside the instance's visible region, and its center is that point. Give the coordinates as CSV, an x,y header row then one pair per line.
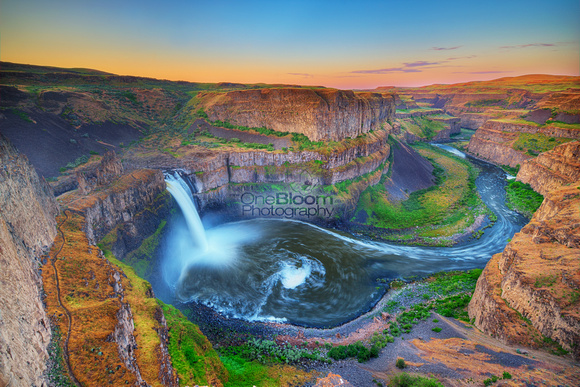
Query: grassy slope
x,y
440,211
522,198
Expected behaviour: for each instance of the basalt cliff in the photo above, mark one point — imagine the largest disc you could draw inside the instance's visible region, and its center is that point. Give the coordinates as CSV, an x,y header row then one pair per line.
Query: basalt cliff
x,y
501,142
319,114
27,228
530,293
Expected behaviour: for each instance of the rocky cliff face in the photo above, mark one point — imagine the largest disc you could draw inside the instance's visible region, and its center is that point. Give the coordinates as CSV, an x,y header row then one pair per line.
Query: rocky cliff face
x,y
322,114
493,141
127,197
533,287
215,172
553,169
27,228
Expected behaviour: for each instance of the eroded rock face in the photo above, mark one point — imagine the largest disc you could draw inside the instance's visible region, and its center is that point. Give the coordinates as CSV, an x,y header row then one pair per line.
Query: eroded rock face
x,y
128,196
553,169
324,114
494,139
27,228
533,287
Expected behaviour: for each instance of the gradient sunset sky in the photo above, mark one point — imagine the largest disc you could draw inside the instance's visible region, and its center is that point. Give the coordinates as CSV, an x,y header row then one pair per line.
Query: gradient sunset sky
x,y
344,44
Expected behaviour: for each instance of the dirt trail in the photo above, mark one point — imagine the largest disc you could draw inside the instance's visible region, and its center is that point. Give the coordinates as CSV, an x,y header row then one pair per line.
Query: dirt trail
x,y
67,312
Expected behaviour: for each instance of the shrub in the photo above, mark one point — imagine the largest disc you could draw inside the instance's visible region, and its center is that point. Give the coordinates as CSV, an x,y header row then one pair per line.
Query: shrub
x,y
400,363
506,375
436,329
406,380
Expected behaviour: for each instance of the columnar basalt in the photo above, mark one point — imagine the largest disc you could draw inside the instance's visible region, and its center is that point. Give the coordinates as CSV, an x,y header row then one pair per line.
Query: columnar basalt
x,y
319,114
553,169
27,228
493,141
532,288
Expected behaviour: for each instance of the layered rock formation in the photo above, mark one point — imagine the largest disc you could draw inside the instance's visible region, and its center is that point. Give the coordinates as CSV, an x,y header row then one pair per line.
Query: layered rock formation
x,y
532,289
553,169
320,114
493,141
27,228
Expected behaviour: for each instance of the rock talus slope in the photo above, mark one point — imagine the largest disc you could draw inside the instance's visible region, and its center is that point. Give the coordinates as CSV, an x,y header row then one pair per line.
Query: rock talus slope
x,y
27,228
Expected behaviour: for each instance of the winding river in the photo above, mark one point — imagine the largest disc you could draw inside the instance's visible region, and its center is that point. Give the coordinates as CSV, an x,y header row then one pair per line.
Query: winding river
x,y
282,270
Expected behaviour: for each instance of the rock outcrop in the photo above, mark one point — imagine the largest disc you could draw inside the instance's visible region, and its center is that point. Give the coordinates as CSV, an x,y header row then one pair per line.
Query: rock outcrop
x,y
553,169
493,141
319,114
27,228
532,289
120,202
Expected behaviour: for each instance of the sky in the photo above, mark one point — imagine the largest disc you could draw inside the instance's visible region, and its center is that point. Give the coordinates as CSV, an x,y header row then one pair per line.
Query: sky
x,y
340,43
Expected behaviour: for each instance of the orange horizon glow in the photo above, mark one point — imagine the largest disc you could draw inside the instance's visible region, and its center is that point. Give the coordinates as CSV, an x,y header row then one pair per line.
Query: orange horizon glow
x,y
298,48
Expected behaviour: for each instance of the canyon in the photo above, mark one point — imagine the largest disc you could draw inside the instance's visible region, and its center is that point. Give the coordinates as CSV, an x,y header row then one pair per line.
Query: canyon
x,y
527,295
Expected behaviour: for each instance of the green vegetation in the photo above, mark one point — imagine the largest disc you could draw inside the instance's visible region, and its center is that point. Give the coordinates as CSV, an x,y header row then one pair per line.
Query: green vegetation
x,y
400,363
422,126
537,143
522,198
269,352
57,371
407,380
485,102
73,164
444,209
436,329
357,350
511,170
21,114
192,355
140,258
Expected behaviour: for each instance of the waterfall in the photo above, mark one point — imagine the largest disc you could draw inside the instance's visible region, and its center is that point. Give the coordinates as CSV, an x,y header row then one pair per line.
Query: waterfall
x,y
181,192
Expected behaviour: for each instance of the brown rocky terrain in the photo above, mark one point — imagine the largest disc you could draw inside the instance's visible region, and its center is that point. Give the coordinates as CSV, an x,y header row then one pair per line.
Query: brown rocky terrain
x,y
27,228
319,114
530,293
553,169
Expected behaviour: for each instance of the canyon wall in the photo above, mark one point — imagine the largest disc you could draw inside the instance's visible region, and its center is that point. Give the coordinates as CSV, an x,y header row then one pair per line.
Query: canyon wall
x,y
27,227
493,141
531,290
218,174
319,114
553,169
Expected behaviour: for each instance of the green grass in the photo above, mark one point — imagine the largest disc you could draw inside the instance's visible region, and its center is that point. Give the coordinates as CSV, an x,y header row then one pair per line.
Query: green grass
x,y
444,209
511,170
269,352
522,198
422,126
192,355
537,143
407,380
73,164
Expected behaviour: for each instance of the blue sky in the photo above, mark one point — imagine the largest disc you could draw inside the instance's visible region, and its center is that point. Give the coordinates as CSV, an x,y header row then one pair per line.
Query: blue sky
x,y
347,44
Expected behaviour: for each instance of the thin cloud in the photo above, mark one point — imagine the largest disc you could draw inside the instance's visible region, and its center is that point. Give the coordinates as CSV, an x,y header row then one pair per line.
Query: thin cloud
x,y
462,57
420,63
387,71
529,45
482,72
305,75
445,48
411,67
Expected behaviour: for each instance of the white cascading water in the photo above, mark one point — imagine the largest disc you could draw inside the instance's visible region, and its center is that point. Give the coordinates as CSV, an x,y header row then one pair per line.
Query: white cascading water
x,y
181,193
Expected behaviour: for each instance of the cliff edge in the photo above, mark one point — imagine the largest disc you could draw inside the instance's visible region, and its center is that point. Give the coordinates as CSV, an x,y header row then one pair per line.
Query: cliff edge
x,y
319,114
27,227
530,293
